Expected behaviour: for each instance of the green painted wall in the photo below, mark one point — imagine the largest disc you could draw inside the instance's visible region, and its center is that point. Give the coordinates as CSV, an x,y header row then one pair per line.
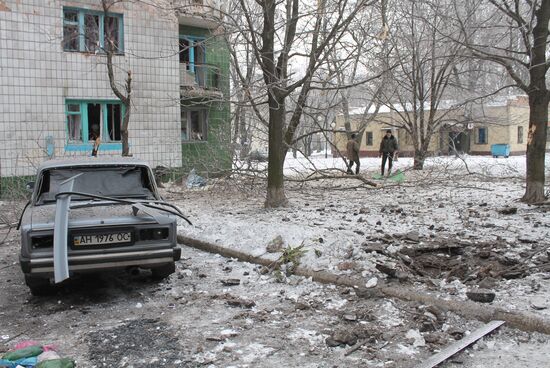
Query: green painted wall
x,y
213,156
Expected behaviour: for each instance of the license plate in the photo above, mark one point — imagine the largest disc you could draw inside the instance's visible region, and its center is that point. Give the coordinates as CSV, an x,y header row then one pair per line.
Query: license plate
x,y
102,239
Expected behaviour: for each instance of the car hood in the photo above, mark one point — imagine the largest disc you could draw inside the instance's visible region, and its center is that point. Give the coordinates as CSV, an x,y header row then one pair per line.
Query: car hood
x,y
43,217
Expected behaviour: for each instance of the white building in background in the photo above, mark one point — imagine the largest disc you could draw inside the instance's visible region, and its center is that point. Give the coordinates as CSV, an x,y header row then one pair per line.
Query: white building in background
x,y
54,86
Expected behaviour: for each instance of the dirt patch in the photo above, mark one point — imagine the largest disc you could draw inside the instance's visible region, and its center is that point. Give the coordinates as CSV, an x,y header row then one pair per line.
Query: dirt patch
x,y
140,343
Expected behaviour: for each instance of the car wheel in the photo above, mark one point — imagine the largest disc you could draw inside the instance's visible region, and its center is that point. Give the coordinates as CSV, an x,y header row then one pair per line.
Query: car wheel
x,y
39,286
164,271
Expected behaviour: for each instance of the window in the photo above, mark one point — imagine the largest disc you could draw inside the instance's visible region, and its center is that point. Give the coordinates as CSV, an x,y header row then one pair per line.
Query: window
x,y
84,118
114,121
74,123
520,134
368,138
481,136
91,31
193,56
194,124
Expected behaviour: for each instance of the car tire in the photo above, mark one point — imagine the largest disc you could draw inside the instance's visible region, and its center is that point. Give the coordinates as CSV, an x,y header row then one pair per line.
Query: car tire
x,y
164,271
39,286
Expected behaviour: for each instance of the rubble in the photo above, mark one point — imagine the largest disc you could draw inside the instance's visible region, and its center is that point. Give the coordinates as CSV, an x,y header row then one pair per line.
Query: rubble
x,y
275,245
481,295
341,338
508,211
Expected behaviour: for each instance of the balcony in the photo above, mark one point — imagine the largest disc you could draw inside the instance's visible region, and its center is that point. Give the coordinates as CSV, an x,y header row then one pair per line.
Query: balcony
x,y
199,80
200,13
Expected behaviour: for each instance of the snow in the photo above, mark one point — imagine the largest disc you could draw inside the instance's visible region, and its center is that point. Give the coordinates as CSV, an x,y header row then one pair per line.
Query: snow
x,y
443,105
442,200
452,198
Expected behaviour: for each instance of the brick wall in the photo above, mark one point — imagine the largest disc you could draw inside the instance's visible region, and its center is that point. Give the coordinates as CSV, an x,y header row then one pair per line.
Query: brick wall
x,y
37,77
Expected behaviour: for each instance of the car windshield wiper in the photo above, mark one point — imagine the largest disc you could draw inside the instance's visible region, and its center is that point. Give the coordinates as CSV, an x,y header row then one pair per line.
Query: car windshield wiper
x,y
153,204
89,202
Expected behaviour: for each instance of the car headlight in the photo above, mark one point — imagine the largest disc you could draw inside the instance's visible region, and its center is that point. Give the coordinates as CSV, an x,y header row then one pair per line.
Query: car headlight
x,y
41,241
154,234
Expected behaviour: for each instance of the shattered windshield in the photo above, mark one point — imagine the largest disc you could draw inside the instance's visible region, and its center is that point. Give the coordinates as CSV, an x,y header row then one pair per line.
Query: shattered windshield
x,y
120,182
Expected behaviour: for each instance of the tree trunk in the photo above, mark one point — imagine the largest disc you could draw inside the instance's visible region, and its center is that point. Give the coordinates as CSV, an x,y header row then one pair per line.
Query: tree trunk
x,y
244,139
538,108
523,321
275,181
124,132
536,146
419,158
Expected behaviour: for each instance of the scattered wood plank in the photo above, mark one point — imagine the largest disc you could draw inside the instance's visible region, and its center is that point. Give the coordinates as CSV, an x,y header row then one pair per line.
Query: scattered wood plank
x,y
357,346
461,344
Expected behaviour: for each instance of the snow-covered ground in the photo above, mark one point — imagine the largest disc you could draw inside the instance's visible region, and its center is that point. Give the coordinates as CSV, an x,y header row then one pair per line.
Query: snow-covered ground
x,y
511,166
454,200
467,209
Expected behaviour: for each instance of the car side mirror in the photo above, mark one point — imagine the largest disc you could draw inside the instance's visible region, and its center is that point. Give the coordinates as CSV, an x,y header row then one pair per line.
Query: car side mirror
x,y
30,186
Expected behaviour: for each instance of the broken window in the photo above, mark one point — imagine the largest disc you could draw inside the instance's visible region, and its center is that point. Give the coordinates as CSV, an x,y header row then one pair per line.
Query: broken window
x,y
111,33
114,121
184,53
194,124
91,31
88,119
193,54
70,30
94,120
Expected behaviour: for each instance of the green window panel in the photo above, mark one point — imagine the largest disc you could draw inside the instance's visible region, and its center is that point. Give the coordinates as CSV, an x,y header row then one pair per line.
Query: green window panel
x,y
86,117
92,31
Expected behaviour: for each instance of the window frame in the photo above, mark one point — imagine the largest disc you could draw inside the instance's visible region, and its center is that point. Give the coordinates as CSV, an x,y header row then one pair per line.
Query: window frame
x,y
368,135
81,14
477,137
85,144
193,40
520,134
188,111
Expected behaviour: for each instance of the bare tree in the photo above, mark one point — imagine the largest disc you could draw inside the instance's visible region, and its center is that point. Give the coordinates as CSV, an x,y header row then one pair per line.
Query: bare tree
x,y
111,47
290,31
359,66
514,35
417,89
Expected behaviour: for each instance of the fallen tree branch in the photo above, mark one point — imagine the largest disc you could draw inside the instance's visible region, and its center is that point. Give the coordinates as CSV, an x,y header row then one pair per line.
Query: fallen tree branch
x,y
323,177
522,321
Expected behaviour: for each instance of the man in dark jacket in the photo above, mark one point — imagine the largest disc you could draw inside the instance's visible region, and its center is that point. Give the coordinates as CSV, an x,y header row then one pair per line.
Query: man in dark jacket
x,y
388,147
352,148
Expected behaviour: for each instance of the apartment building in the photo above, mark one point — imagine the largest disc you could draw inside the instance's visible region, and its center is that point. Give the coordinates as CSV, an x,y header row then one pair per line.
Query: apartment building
x,y
56,94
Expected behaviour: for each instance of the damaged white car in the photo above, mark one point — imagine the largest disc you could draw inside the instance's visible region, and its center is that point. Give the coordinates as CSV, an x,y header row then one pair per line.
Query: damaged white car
x,y
93,215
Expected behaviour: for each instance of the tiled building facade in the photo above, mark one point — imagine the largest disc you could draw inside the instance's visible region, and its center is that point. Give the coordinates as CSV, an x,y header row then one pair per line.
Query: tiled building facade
x,y
55,89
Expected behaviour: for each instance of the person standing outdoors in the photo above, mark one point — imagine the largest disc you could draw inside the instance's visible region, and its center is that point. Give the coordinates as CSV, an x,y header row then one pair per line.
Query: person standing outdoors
x,y
95,137
388,148
352,148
